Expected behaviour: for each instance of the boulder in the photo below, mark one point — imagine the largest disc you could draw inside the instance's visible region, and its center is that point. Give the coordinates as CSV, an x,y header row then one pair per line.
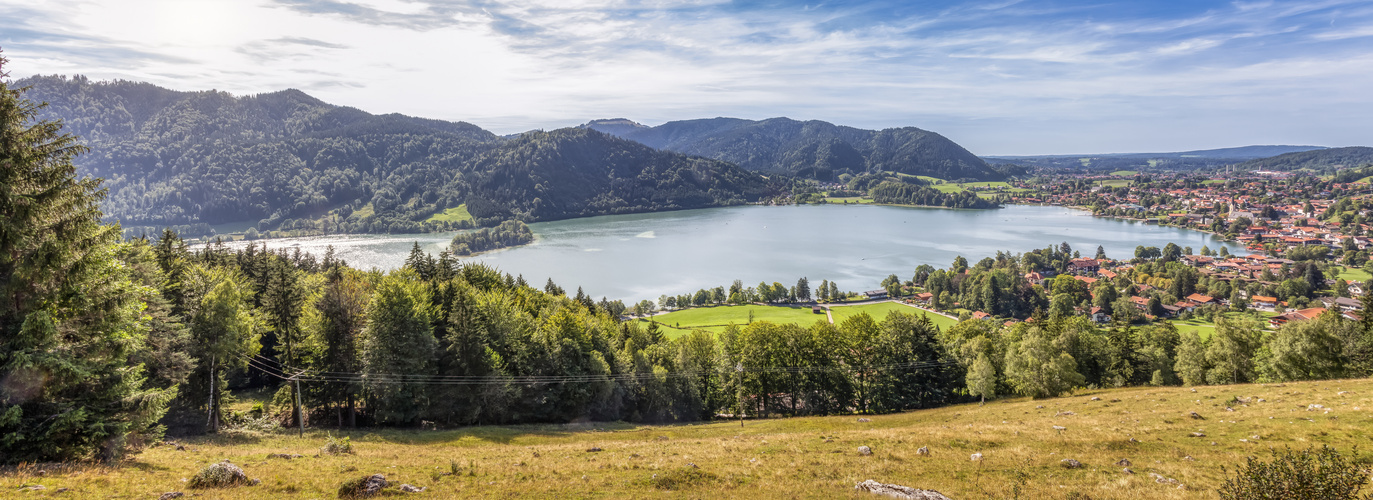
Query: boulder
x,y
976,457
1196,416
923,451
411,489
898,491
1069,463
363,487
864,450
170,495
1124,462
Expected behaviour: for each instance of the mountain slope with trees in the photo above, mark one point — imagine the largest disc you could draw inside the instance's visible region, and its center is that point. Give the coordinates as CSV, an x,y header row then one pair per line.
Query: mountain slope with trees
x,y
811,148
285,160
1321,159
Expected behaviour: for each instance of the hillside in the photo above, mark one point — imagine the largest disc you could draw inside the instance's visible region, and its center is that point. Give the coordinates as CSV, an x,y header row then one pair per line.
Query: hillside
x,y
811,148
797,457
288,160
577,172
1332,158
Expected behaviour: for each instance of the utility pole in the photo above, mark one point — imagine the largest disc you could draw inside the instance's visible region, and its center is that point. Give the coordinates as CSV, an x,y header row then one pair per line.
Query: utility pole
x,y
739,369
210,417
300,415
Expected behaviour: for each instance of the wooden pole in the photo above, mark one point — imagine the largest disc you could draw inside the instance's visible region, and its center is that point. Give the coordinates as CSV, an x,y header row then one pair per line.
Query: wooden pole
x,y
210,417
300,415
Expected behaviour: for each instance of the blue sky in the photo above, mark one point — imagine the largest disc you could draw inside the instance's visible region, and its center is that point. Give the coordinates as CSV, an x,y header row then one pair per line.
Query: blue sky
x,y
999,77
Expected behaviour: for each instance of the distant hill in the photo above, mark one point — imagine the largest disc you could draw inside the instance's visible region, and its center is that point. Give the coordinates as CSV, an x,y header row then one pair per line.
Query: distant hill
x,y
1332,158
576,172
288,160
1238,153
813,148
615,126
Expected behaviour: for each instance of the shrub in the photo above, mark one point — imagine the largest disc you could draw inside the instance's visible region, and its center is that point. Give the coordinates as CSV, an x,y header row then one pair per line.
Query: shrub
x,y
337,446
219,475
1309,473
680,478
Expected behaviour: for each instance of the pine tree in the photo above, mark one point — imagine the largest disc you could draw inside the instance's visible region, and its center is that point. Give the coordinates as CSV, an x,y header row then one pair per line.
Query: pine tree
x,y
399,343
68,310
342,311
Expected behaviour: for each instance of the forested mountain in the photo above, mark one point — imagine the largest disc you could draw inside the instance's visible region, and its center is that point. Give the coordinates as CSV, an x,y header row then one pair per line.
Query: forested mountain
x,y
812,148
1319,159
289,161
579,172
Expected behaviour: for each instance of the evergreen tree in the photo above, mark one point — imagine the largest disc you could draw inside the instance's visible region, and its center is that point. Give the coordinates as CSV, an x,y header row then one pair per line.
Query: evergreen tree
x,y
69,313
342,311
398,350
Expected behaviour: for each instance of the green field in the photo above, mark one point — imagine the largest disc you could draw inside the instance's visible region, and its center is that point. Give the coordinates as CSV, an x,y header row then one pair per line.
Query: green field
x,y
1213,181
851,199
457,214
1125,173
233,227
364,212
808,457
1116,182
1206,328
713,319
1353,274
879,311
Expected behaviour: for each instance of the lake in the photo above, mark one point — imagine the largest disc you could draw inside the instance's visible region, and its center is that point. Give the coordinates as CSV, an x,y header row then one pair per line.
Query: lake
x,y
642,256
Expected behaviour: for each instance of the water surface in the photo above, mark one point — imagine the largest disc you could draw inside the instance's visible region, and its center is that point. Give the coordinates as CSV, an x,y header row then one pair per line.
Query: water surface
x,y
642,256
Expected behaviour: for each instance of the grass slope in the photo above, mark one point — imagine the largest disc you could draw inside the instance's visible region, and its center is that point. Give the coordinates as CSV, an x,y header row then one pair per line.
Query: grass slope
x,y
880,310
456,214
714,318
790,458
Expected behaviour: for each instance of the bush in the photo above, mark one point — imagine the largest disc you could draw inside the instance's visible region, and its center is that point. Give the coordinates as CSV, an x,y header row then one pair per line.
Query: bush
x,y
680,478
219,475
1309,473
337,446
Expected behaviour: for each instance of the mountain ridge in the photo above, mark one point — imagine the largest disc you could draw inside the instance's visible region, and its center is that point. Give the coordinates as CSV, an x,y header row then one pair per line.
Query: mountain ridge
x,y
809,148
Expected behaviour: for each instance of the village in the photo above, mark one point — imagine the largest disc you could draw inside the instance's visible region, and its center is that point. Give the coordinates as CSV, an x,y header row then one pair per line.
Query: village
x,y
1296,227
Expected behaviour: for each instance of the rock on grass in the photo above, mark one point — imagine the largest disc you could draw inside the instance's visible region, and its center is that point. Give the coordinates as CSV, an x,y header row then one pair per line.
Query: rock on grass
x,y
219,475
363,487
898,491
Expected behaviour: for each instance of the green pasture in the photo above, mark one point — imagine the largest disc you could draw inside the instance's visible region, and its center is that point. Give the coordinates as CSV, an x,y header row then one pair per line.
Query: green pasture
x,y
715,318
1353,274
880,310
456,214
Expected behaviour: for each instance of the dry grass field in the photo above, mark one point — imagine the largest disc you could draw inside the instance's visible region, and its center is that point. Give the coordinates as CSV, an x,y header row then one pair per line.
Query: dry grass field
x,y
785,458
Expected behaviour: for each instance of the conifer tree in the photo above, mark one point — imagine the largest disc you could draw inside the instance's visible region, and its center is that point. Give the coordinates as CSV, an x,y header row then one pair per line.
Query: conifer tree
x,y
398,349
69,313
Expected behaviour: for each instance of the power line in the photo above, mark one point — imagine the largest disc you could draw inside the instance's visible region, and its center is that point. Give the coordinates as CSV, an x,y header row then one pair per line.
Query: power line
x,y
264,364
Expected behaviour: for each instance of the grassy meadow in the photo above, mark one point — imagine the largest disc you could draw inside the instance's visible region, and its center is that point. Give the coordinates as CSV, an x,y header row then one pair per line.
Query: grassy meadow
x,y
880,310
813,457
455,214
714,319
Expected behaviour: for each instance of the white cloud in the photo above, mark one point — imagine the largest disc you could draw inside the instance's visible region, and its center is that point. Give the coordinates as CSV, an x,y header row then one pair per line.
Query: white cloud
x,y
1008,77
